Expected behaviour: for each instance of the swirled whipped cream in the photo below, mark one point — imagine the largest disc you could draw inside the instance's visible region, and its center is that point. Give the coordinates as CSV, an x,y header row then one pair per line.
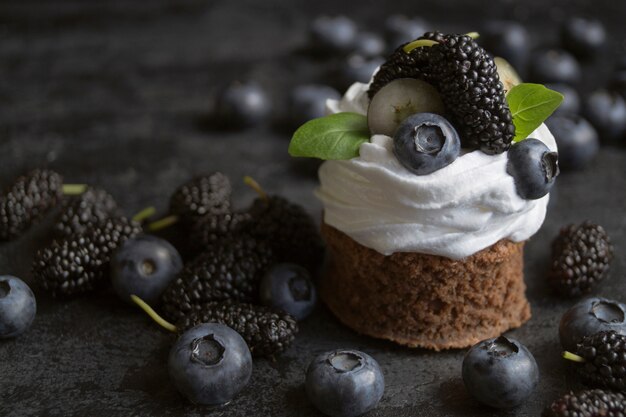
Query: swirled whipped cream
x,y
454,212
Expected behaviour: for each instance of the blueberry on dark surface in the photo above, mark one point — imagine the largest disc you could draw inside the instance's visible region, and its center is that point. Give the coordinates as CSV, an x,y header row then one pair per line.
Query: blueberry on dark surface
x,y
588,403
533,167
554,66
507,39
576,138
201,196
144,266
357,68
425,143
400,29
583,37
581,255
241,105
307,102
604,355
27,200
500,372
333,34
369,44
288,287
267,331
606,110
588,317
210,364
571,98
78,212
17,307
344,383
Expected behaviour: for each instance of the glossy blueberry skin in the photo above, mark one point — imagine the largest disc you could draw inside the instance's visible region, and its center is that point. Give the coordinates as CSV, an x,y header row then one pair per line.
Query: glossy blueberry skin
x,y
219,377
606,110
588,317
241,105
554,66
585,38
144,266
349,391
576,139
571,98
533,167
333,34
289,287
507,39
369,45
17,307
500,373
307,102
425,143
400,29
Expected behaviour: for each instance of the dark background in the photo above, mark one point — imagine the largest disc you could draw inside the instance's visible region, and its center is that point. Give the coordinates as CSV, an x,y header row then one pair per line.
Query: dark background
x,y
117,94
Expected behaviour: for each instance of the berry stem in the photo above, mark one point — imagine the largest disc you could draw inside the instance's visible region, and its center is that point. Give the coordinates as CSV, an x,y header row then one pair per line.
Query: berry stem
x,y
153,314
573,357
248,180
417,44
163,223
144,214
473,35
74,189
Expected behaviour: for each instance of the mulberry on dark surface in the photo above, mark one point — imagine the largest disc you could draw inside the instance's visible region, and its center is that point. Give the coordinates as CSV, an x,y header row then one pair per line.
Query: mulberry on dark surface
x,y
289,230
605,360
79,264
467,79
29,198
78,212
229,269
581,255
201,196
588,403
266,331
212,229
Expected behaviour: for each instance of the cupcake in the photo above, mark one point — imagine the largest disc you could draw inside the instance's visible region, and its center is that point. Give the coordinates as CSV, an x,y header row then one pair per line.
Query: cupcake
x,y
436,173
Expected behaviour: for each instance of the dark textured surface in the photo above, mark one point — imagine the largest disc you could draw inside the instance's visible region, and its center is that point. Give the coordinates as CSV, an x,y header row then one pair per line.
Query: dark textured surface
x,y
116,94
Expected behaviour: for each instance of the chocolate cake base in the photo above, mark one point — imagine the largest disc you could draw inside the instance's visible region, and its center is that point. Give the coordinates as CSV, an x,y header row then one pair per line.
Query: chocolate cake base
x,y
423,300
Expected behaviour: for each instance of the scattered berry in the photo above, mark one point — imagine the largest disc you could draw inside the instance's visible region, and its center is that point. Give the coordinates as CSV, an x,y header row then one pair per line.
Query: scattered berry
x,y
266,331
606,110
555,66
425,143
604,355
144,266
500,372
307,102
211,229
344,383
78,212
333,34
506,39
210,364
17,307
241,105
589,317
289,288
589,403
29,198
571,99
201,196
533,167
369,44
576,138
400,29
581,255
583,37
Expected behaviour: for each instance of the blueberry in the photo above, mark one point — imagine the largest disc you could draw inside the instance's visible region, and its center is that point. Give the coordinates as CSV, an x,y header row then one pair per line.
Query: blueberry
x,y
589,317
144,266
400,29
333,34
369,45
17,307
571,99
426,142
500,372
554,66
242,105
359,69
584,37
308,102
618,81
606,110
576,138
533,168
288,287
210,364
506,39
344,383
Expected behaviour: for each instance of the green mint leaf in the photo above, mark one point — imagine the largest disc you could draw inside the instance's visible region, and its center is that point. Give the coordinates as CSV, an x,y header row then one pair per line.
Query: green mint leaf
x,y
337,136
530,105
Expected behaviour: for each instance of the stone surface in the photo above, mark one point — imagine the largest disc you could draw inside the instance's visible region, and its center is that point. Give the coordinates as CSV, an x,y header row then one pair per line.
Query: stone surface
x,y
117,94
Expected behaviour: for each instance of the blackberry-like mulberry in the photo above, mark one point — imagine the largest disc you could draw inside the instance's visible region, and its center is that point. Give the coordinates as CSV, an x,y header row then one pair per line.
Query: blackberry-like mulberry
x,y
266,331
581,255
605,360
211,229
201,196
289,230
588,403
228,270
467,79
78,212
29,198
80,263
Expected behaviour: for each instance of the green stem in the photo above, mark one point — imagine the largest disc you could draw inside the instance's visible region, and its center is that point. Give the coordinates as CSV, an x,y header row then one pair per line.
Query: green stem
x,y
573,357
144,214
153,314
256,187
163,223
418,44
473,35
74,189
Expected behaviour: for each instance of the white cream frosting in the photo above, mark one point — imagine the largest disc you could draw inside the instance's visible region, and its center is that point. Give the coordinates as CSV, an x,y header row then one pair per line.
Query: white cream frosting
x,y
453,212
